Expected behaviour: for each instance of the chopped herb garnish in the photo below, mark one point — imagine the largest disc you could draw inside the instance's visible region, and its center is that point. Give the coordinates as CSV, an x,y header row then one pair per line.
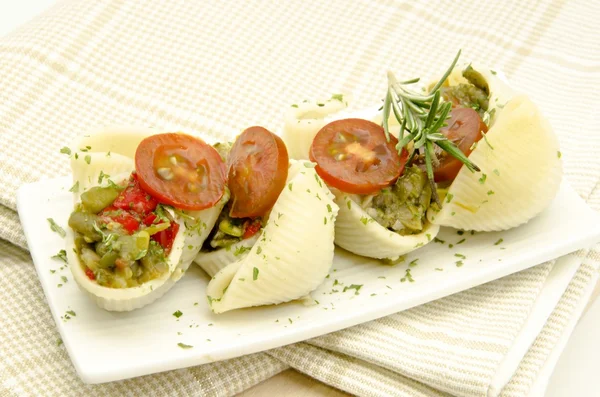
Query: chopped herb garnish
x,y
55,228
460,256
428,236
413,263
349,202
483,178
329,208
75,187
355,287
87,158
365,220
71,313
102,176
240,250
490,192
407,276
449,197
324,220
499,241
459,263
255,274
178,314
437,240
461,241
66,150
290,186
338,97
308,164
62,255
184,346
64,279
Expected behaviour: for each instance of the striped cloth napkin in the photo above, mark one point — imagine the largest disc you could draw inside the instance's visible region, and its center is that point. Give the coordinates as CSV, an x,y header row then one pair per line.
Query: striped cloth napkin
x,y
214,68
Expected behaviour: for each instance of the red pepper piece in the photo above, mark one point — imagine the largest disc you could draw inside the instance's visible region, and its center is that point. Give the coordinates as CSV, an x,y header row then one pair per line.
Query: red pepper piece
x,y
90,274
251,229
127,220
166,237
135,199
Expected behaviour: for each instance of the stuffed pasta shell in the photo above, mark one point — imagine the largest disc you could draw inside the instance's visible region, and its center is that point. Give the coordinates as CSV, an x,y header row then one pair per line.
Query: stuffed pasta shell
x,y
142,211
273,242
515,150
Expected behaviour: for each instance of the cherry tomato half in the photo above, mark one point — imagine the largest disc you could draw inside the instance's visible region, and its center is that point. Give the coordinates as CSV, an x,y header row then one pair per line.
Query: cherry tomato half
x,y
353,155
180,170
463,129
258,167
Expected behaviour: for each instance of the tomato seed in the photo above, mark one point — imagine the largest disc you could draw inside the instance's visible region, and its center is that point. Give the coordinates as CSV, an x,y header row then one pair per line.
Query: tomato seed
x,y
165,173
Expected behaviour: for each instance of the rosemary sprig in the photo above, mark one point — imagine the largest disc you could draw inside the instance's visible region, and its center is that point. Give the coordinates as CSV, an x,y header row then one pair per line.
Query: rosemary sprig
x,y
420,117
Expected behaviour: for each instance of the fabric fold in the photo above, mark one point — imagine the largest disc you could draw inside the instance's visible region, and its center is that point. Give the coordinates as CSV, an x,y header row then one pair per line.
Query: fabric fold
x,y
203,69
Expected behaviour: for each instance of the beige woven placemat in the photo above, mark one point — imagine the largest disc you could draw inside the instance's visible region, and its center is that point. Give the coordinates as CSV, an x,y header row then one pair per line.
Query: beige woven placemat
x,y
213,68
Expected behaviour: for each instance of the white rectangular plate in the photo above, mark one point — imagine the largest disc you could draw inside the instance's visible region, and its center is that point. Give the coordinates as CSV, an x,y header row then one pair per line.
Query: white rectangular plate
x,y
107,346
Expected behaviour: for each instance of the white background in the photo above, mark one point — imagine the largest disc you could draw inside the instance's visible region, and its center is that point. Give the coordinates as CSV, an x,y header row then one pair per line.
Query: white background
x,y
578,370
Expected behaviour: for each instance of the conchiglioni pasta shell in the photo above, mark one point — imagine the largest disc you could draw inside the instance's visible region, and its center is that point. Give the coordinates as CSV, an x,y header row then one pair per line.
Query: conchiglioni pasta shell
x,y
86,170
212,262
357,232
519,176
122,140
304,120
294,251
108,157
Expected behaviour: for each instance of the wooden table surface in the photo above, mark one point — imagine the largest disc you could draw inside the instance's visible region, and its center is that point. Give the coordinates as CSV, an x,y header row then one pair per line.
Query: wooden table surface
x,y
291,383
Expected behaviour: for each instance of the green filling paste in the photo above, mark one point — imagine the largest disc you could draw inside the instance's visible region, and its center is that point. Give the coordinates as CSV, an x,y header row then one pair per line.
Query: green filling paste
x,y
402,207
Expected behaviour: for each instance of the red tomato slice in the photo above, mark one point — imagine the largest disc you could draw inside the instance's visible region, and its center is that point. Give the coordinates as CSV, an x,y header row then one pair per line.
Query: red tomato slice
x,y
114,214
354,156
134,198
180,170
463,129
258,168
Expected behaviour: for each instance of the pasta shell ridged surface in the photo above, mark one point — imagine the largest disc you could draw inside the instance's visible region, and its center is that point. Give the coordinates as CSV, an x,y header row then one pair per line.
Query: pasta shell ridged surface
x,y
293,254
357,232
213,262
520,173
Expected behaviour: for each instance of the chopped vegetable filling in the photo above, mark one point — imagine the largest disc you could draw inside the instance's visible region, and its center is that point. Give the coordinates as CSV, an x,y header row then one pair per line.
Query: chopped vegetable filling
x,y
123,236
402,207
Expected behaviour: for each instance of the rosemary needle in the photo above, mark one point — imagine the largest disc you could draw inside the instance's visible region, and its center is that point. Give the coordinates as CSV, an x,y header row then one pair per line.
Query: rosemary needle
x,y
420,117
